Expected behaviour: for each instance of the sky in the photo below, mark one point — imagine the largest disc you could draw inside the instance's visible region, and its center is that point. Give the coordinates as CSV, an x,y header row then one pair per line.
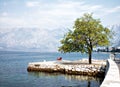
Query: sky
x,y
39,25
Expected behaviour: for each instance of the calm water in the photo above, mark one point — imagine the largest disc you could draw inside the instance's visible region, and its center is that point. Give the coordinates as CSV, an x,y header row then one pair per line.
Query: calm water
x,y
13,71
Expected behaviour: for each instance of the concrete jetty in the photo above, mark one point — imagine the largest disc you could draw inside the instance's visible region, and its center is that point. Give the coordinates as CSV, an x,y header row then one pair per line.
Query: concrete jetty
x,y
79,67
112,77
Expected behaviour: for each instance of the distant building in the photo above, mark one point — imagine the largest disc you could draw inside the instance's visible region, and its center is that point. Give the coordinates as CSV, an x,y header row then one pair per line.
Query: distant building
x,y
118,49
109,49
115,49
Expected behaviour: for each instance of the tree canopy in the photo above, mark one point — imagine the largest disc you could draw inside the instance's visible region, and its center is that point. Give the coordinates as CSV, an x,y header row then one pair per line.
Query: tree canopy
x,y
87,33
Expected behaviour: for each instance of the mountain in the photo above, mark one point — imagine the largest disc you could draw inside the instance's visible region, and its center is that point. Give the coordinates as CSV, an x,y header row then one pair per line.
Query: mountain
x,y
36,39
31,39
116,36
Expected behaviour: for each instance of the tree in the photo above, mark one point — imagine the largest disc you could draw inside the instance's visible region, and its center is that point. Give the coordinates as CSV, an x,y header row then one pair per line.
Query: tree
x,y
87,33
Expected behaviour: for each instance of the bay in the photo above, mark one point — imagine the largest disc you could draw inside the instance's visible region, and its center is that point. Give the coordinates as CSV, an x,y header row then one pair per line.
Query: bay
x,y
13,70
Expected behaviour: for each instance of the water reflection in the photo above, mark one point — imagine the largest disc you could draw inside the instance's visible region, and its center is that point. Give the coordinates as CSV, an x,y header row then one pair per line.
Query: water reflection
x,y
82,81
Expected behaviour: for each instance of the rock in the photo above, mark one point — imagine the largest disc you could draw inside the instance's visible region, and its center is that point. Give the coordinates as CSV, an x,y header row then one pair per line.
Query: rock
x,y
81,69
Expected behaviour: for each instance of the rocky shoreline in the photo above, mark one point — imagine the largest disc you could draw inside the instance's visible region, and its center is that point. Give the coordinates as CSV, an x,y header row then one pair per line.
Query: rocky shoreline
x,y
79,67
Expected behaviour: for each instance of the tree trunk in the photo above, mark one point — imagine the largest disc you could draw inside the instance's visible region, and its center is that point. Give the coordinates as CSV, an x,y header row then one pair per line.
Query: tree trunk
x,y
90,53
90,57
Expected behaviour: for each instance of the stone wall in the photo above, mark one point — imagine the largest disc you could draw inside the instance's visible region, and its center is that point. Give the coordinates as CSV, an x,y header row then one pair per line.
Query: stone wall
x,y
71,68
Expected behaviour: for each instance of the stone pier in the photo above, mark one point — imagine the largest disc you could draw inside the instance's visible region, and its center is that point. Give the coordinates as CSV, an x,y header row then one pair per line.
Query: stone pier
x,y
80,67
112,77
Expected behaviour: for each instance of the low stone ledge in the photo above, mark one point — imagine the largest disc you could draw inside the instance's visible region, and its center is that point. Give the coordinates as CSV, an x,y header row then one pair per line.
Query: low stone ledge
x,y
112,77
73,68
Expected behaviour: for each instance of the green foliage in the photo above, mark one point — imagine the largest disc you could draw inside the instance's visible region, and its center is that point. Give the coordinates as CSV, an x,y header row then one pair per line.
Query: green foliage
x,y
87,33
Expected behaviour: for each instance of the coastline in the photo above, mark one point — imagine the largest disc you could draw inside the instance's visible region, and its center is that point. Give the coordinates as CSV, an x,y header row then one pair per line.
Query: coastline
x,y
78,67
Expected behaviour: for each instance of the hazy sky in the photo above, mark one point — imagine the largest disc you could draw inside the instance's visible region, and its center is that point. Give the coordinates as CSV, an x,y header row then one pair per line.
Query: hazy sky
x,y
38,25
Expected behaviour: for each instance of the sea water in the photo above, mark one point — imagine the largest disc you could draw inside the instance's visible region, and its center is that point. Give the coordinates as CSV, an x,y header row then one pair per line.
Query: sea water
x,y
13,70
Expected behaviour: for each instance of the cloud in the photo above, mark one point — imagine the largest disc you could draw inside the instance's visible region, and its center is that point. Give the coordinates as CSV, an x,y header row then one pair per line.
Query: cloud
x,y
4,14
113,10
32,3
103,11
10,22
53,15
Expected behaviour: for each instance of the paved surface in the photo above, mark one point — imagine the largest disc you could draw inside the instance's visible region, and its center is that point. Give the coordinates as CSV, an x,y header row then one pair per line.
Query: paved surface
x,y
112,78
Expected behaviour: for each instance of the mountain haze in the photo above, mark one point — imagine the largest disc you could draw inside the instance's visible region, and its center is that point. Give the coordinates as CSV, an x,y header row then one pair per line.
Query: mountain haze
x,y
41,40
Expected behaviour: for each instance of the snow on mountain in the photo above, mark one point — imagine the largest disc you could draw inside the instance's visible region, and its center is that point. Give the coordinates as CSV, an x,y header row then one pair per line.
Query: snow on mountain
x,y
31,39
